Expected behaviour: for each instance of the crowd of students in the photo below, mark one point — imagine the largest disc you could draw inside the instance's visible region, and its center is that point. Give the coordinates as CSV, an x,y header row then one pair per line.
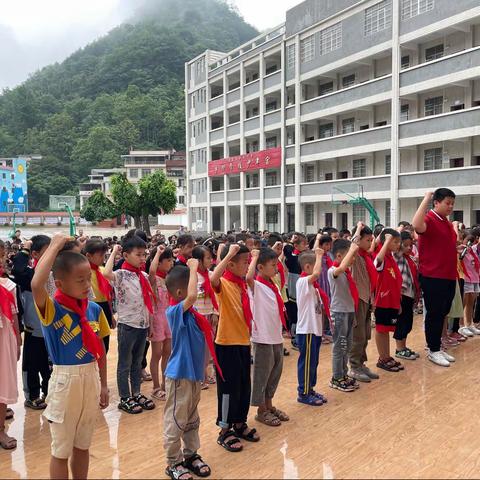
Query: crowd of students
x,y
217,310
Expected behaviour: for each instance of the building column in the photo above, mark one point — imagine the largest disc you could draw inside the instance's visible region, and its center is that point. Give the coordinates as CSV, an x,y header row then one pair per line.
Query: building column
x,y
242,201
226,211
298,136
467,210
261,210
187,149
283,140
395,152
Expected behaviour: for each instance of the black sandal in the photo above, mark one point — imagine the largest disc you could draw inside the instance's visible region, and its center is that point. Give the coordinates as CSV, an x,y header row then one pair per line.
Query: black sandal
x,y
177,472
227,444
129,405
249,437
387,365
9,414
144,402
197,469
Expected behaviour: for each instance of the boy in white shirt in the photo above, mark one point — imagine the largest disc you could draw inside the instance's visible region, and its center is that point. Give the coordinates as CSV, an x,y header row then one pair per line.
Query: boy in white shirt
x,y
309,326
268,320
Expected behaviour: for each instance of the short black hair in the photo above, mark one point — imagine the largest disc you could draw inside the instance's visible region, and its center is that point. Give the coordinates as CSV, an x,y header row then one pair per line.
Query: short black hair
x,y
273,238
199,252
65,262
442,193
95,246
39,242
70,245
306,257
141,234
243,249
404,235
345,231
266,255
300,238
365,231
311,238
330,230
133,242
403,223
341,245
325,239
378,229
388,231
178,277
184,240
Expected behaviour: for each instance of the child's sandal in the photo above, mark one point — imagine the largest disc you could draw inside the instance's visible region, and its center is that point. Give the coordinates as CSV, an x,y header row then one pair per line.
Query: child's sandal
x,y
144,402
9,414
282,416
387,365
178,472
228,444
129,405
197,469
268,418
249,437
159,394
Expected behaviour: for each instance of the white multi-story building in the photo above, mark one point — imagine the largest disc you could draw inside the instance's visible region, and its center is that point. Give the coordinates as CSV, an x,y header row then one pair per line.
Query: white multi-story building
x,y
100,179
351,98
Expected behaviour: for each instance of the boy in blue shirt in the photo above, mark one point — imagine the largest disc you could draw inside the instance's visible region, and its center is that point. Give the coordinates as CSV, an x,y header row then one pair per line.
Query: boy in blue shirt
x,y
184,374
73,328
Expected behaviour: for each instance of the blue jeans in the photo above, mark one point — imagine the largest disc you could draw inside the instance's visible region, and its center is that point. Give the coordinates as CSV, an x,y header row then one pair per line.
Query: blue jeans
x,y
309,346
342,342
131,345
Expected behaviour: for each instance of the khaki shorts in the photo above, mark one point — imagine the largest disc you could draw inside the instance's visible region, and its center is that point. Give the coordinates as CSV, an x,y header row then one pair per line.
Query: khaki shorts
x,y
72,407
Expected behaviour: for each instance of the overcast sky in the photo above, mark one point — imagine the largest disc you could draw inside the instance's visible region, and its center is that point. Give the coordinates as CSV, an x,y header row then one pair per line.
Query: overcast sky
x,y
35,33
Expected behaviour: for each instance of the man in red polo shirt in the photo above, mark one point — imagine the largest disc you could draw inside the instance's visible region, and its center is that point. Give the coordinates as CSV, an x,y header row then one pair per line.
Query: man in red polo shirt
x,y
437,248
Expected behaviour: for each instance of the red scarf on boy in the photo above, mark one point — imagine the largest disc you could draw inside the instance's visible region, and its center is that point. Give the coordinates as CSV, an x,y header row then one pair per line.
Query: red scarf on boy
x,y
208,289
182,259
281,271
323,295
161,274
147,291
207,331
414,271
90,341
351,285
371,270
247,312
7,302
281,306
103,284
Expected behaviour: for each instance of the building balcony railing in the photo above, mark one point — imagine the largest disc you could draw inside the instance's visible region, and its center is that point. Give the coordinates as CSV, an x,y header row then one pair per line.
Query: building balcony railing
x,y
216,103
252,194
144,161
252,124
463,64
233,96
233,129
251,88
217,197
272,80
216,135
272,118
341,100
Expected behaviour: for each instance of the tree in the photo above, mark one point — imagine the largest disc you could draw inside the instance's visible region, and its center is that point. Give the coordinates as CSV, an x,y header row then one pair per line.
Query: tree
x,y
98,207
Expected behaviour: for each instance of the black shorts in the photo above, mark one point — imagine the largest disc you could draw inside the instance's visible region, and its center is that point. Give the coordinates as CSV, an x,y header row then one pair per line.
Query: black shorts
x,y
385,319
405,319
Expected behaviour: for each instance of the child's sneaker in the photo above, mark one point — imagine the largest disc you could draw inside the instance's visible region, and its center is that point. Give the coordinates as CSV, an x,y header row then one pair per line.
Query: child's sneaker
x,y
351,381
415,354
465,331
405,354
341,384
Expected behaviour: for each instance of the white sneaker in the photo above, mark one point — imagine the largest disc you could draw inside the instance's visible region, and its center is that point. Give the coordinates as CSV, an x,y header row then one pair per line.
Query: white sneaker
x,y
474,330
465,331
447,356
438,359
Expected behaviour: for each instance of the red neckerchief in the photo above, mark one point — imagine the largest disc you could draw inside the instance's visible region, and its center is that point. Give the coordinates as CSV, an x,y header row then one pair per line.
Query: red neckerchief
x,y
328,260
7,302
147,291
35,263
247,312
351,285
103,284
182,259
161,274
296,252
278,297
323,295
464,268
207,331
414,271
207,288
90,341
281,271
371,270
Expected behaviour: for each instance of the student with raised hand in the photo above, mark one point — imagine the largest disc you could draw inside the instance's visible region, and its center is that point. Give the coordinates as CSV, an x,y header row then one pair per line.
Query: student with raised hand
x,y
73,328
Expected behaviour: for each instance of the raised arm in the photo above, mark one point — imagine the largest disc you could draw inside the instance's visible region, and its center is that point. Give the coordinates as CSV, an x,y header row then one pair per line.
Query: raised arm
x,y
317,242
358,231
152,273
43,269
317,268
381,254
192,290
108,273
220,268
252,269
347,260
418,221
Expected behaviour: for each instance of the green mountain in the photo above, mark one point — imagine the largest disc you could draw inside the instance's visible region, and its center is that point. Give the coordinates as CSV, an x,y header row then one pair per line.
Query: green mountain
x,y
123,90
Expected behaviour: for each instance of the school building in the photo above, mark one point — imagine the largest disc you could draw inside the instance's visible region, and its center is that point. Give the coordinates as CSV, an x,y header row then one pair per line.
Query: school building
x,y
346,99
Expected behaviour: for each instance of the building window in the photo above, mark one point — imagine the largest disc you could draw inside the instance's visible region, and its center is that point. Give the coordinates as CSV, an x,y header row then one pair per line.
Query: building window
x,y
252,180
133,173
388,164
433,106
272,214
388,218
378,17
412,8
290,175
359,214
271,106
181,200
433,53
291,57
405,63
234,182
307,49
325,88
271,142
325,131
433,158
348,125
348,81
309,215
271,179
328,176
309,173
359,167
331,39
146,171
404,112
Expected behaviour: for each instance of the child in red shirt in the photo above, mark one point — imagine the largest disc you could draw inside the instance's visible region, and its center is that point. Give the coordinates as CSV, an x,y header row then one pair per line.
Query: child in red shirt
x,y
387,298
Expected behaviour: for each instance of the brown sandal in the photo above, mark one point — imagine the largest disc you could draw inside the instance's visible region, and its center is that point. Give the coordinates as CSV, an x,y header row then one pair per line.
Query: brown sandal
x,y
268,418
10,443
387,365
282,416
